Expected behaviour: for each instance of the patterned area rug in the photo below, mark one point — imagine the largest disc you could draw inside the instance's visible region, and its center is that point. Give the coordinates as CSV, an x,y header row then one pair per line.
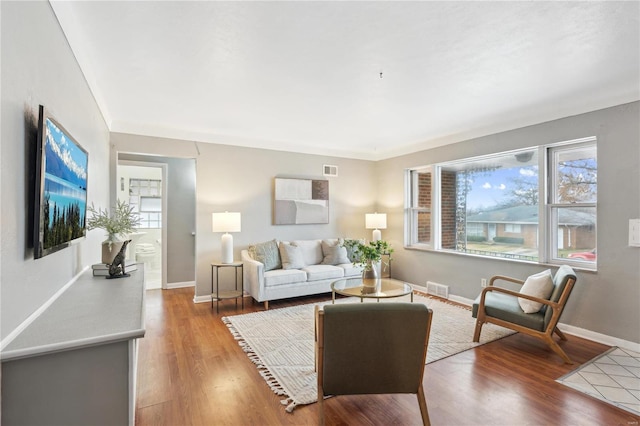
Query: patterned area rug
x,y
281,342
613,377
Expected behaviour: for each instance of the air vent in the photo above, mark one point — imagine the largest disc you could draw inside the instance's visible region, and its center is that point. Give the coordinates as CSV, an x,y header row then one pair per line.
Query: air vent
x,y
439,290
328,170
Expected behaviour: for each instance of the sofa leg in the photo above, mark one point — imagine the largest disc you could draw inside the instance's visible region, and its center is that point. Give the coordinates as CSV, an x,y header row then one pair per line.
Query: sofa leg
x,y
266,305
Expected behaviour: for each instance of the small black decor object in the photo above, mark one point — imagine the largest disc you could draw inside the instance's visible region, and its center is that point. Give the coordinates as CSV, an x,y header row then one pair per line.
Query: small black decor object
x,y
116,269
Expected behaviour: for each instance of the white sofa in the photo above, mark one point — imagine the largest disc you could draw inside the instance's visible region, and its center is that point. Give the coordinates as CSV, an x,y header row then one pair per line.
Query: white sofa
x,y
304,267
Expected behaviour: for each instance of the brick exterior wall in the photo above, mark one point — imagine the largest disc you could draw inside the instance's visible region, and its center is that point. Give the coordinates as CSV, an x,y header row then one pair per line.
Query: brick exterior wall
x,y
448,209
424,200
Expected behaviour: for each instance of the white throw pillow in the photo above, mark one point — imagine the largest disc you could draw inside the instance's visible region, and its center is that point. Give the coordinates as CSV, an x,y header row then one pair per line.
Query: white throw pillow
x,y
334,253
292,256
538,285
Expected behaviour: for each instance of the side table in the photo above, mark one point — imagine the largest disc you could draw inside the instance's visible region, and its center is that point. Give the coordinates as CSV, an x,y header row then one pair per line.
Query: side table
x,y
227,294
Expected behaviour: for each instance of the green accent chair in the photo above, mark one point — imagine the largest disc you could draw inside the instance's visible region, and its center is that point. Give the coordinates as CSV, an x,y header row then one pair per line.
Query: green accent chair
x,y
498,305
372,348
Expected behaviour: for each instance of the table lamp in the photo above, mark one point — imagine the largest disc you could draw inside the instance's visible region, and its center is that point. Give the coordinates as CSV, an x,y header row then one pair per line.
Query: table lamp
x,y
226,222
376,221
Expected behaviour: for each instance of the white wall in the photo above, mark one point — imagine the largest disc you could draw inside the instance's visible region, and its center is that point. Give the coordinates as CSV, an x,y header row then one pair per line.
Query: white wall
x,y
38,67
607,301
241,179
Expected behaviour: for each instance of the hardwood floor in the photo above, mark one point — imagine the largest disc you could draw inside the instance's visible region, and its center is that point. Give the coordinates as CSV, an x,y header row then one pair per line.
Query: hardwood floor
x,y
192,372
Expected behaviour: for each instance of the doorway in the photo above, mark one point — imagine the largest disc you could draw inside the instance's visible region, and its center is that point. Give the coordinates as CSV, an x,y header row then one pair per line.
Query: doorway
x,y
143,186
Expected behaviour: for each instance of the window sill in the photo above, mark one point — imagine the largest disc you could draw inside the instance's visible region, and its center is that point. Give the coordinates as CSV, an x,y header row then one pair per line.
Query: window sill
x,y
576,266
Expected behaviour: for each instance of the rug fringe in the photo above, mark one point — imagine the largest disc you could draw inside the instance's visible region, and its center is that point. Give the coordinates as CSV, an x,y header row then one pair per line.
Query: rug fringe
x,y
264,371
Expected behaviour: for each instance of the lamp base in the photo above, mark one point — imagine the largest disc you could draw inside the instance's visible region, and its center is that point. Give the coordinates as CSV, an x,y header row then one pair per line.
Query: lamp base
x,y
377,235
227,248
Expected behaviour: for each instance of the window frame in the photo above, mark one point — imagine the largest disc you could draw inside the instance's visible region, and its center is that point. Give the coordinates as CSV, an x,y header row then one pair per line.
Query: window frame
x,y
547,232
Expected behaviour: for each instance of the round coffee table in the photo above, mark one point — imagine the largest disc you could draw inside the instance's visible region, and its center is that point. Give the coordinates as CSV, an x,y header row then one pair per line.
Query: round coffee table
x,y
375,289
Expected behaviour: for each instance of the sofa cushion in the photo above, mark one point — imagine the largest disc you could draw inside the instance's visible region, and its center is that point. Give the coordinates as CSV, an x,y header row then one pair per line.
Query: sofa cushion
x,y
278,277
266,253
323,272
333,252
291,256
351,270
311,251
539,285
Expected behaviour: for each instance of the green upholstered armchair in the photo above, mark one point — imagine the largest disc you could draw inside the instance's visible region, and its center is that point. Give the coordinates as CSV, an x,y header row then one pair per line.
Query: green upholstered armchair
x,y
500,306
372,348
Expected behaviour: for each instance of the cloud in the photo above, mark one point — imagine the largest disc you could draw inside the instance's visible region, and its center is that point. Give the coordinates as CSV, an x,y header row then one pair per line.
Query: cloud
x,y
486,185
502,187
528,172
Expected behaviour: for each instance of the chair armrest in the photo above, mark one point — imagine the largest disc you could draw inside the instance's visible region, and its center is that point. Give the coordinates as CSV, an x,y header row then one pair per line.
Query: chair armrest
x,y
253,276
554,305
504,278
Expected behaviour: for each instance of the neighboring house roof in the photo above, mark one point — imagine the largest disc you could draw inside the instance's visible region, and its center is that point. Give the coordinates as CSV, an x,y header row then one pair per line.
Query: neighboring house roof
x,y
528,215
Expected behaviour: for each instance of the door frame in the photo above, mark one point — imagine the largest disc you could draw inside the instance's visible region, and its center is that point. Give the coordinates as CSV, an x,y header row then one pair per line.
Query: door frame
x,y
163,232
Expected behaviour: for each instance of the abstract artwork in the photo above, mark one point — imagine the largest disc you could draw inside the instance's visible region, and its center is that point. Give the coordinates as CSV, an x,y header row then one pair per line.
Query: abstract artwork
x,y
301,201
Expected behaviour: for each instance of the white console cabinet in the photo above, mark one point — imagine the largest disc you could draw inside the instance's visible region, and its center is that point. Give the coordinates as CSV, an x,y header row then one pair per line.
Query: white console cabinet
x,y
76,363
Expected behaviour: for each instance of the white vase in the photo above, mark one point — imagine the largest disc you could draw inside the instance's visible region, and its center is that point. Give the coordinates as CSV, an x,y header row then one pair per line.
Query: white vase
x,y
110,248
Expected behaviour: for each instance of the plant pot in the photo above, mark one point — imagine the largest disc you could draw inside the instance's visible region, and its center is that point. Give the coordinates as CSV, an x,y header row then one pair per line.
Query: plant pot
x,y
109,250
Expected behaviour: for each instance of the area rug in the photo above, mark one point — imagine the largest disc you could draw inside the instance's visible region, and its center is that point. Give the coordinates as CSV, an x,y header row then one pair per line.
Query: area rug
x,y
281,342
613,377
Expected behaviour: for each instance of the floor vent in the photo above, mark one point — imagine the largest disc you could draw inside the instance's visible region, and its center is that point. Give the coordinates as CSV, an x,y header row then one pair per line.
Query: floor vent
x,y
328,170
439,290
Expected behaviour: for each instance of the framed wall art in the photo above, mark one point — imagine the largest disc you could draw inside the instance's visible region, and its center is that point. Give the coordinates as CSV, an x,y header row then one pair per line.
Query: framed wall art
x,y
301,201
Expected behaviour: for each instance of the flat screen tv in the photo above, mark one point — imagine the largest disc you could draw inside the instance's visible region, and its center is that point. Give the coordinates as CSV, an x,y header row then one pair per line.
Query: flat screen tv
x,y
60,189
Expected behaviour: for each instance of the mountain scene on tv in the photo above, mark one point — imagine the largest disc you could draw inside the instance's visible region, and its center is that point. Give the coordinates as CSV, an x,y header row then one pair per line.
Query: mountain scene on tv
x,y
65,188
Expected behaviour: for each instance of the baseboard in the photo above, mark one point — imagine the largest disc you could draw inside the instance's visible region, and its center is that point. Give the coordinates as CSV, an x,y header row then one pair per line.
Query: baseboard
x,y
171,286
31,318
575,331
598,337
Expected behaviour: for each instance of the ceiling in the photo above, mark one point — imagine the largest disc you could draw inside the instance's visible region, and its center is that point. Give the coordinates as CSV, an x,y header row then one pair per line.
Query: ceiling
x,y
368,80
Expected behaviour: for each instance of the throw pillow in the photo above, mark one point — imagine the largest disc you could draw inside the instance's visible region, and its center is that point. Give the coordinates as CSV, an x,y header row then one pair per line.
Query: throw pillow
x,y
291,256
266,253
334,253
353,257
538,285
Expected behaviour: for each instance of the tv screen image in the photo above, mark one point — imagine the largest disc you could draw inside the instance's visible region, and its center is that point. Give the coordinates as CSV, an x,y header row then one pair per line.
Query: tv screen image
x,y
61,188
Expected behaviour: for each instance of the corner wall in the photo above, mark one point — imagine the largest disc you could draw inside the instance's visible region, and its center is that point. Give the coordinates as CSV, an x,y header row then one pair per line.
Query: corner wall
x,y
606,301
38,67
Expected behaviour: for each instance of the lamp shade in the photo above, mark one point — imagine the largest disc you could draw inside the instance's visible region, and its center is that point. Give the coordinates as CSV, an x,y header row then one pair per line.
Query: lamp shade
x,y
225,222
376,221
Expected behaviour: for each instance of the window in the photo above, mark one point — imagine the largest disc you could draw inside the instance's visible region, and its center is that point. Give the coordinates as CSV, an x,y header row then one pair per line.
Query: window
x,y
498,205
145,196
419,211
573,194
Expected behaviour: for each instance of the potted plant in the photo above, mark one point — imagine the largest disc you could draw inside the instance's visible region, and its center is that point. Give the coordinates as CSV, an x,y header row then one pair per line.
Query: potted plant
x,y
122,221
368,255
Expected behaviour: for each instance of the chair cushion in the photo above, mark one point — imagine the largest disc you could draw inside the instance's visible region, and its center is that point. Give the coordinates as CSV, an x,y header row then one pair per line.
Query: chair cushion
x,y
323,272
266,253
538,285
291,256
278,277
506,307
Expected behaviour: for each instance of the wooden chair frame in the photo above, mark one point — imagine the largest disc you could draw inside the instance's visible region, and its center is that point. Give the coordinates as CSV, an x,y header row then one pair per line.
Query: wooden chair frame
x,y
547,334
319,367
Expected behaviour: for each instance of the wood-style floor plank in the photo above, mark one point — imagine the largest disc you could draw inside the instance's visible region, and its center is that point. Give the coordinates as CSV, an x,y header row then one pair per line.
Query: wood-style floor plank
x,y
191,371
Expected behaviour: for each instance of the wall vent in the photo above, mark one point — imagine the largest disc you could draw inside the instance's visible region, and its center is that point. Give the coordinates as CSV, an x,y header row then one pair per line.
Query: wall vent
x,y
328,170
439,290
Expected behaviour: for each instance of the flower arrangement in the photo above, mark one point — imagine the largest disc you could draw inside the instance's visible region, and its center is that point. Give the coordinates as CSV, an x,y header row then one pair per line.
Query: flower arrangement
x,y
366,255
122,221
